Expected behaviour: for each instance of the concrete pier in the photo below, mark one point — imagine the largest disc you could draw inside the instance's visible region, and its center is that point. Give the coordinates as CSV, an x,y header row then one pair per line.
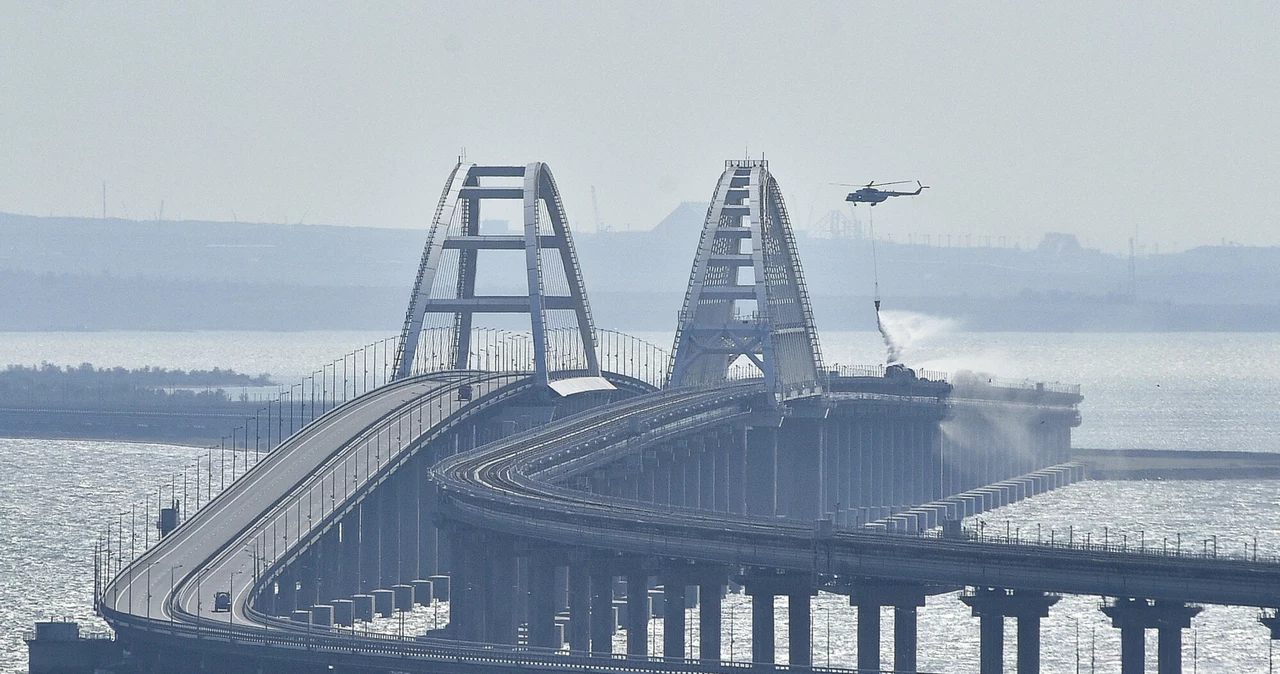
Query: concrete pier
x,y
1133,616
992,606
638,611
869,596
762,586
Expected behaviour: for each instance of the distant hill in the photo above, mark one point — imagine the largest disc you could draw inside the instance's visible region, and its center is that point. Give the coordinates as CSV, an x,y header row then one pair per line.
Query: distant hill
x,y
93,274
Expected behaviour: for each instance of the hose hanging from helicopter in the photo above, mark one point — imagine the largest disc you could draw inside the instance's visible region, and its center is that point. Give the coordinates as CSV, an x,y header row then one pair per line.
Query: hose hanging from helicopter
x,y
894,352
871,194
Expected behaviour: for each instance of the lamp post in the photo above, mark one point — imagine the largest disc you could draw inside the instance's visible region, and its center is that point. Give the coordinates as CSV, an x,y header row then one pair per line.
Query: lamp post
x,y
149,589
176,566
231,590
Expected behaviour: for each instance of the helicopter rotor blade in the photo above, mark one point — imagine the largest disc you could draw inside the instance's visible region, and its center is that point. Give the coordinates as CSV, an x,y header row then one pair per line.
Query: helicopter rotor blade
x,y
896,182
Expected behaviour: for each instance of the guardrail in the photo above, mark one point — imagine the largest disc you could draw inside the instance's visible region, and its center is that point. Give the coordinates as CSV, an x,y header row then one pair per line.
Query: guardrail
x,y
331,640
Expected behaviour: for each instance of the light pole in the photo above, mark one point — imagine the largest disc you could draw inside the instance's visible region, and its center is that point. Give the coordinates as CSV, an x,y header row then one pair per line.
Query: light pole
x,y
149,589
231,591
1077,623
176,566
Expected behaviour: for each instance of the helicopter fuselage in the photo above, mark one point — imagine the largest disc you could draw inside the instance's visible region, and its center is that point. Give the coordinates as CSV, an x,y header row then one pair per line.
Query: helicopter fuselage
x,y
870,195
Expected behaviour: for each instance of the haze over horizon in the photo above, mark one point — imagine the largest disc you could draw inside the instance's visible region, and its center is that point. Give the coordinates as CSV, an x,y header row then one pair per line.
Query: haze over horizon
x,y
1104,121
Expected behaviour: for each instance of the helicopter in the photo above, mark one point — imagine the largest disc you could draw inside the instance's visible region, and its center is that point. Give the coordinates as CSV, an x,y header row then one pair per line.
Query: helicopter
x,y
872,194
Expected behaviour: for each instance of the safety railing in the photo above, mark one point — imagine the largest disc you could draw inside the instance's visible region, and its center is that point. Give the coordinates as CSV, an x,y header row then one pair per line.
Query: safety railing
x,y
1200,548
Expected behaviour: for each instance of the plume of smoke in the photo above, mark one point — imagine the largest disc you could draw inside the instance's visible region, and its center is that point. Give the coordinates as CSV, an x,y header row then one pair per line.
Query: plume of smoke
x,y
902,331
894,350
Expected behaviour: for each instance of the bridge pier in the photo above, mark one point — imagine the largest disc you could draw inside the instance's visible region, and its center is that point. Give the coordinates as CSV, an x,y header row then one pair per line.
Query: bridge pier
x,y
992,606
734,447
349,554
286,598
799,476
500,592
602,622
762,586
708,475
367,562
542,605
410,532
579,606
468,586
761,449
638,612
1271,620
308,577
662,460
673,598
1134,616
427,500
690,472
869,596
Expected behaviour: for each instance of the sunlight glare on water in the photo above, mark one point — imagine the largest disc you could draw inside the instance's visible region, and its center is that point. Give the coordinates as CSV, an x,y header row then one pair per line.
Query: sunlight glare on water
x,y
1176,391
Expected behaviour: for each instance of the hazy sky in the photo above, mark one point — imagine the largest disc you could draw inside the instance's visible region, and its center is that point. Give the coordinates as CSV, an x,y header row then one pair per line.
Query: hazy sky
x,y
1024,118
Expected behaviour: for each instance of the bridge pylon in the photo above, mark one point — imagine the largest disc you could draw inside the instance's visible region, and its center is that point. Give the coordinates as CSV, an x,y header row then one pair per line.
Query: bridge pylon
x,y
564,343
747,296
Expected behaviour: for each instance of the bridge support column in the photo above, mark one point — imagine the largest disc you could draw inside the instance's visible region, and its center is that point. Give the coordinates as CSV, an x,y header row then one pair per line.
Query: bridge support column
x,y
410,533
330,584
675,476
638,613
1271,620
710,602
1134,616
762,647
349,563
428,498
673,594
735,463
799,629
870,596
307,575
645,480
761,470
500,592
542,608
869,637
367,564
467,595
388,524
662,462
804,451
762,586
690,468
905,640
720,488
286,592
579,607
992,606
602,622
707,475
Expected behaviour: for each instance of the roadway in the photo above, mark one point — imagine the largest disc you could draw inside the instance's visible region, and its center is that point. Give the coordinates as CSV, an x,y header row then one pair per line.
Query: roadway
x,y
265,514
503,487
511,485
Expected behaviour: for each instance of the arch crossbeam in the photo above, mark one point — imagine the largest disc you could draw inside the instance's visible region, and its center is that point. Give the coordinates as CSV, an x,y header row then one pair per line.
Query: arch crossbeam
x,y
747,297
564,347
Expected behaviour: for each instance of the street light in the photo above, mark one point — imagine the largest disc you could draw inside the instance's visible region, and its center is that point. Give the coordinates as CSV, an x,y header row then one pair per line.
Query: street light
x,y
149,589
231,590
176,566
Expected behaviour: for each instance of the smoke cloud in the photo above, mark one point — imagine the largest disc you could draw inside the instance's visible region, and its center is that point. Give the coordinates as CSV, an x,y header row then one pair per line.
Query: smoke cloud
x,y
903,331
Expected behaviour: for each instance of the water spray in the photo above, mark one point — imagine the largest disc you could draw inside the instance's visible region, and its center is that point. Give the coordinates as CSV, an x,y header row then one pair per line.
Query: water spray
x,y
894,349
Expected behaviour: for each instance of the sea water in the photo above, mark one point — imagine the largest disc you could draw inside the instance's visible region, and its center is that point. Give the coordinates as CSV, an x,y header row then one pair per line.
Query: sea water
x,y
1163,390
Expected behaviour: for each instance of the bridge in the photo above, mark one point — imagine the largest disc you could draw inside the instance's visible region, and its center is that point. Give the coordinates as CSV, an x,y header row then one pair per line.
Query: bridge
x,y
557,486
